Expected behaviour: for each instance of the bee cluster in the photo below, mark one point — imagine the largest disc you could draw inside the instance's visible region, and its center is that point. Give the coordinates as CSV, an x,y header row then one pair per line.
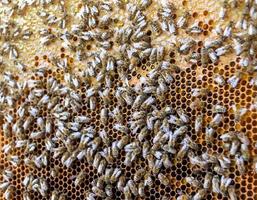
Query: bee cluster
x,y
141,104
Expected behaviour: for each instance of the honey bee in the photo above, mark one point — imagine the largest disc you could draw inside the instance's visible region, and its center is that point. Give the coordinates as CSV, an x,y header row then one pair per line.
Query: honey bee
x,y
245,152
160,53
116,174
98,192
207,180
228,30
139,175
27,123
181,197
223,50
143,4
240,164
139,101
54,171
166,161
116,113
200,194
209,132
141,189
7,148
212,55
26,196
43,187
195,29
243,138
4,185
239,112
132,187
204,56
20,66
80,178
216,120
195,160
107,176
46,40
183,116
121,128
253,81
224,162
104,137
146,149
169,25
127,193
194,57
158,137
101,181
62,197
232,192
198,123
6,129
14,160
181,130
155,27
82,119
108,190
54,195
234,80
120,3
143,133
175,120
183,150
115,149
219,109
254,105
216,184
252,29
229,136
157,126
149,101
224,183
163,179
105,21
141,45
234,147
210,158
192,181
7,175
90,196
238,46
139,35
223,10
183,20
197,92
9,192
186,45
148,181
123,141
219,170
121,183
128,160
107,154
97,159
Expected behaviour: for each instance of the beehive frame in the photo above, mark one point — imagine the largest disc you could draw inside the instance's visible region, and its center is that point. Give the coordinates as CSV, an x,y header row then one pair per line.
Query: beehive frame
x,y
43,62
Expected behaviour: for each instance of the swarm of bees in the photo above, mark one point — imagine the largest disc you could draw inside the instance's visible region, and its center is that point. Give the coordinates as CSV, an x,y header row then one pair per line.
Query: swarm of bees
x,y
45,118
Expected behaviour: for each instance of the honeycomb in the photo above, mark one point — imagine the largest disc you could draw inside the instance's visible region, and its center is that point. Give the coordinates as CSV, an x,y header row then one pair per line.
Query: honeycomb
x,y
89,109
